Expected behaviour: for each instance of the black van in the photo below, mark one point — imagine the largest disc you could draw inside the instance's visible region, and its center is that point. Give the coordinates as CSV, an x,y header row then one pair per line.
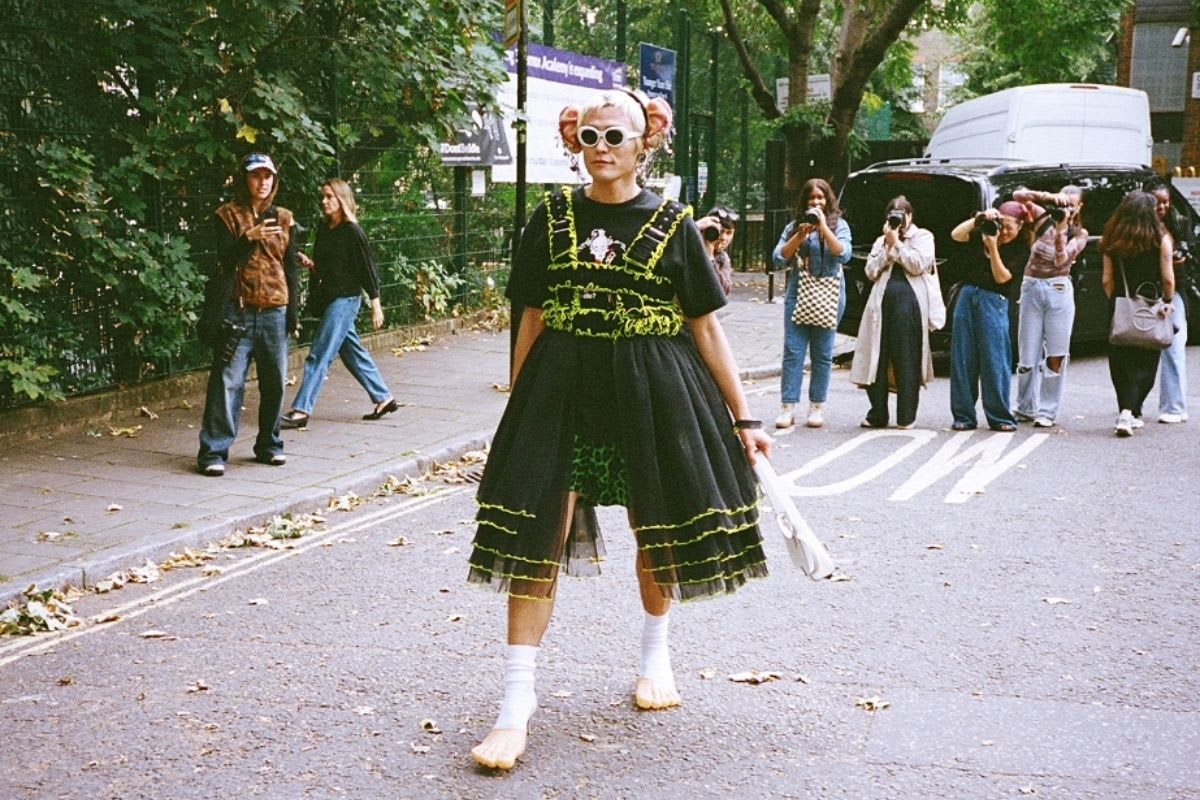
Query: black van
x,y
944,193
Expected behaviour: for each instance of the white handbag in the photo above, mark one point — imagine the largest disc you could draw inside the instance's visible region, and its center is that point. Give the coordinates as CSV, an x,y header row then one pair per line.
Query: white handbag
x,y
806,550
937,306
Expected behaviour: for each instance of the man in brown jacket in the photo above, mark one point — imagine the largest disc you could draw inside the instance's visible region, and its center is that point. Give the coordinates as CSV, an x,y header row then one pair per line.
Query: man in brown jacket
x,y
251,306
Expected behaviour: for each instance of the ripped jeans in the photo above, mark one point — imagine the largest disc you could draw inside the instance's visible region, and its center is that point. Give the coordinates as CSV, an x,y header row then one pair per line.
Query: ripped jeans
x,y
1047,312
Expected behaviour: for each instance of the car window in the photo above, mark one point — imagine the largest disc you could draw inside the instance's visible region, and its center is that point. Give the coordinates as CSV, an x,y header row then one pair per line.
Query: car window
x,y
939,203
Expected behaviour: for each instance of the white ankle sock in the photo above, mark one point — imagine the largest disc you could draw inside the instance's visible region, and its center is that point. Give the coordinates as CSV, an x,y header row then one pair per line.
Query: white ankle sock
x,y
656,658
519,700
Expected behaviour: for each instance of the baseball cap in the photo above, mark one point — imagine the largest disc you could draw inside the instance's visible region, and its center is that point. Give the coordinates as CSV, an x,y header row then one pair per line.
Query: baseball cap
x,y
259,161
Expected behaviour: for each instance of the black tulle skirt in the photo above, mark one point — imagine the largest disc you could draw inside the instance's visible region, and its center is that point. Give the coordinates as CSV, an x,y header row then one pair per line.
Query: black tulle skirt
x,y
637,422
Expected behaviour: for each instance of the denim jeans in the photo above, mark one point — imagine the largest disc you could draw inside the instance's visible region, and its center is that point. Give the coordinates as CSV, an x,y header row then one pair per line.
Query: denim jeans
x,y
265,340
1172,377
797,339
980,357
336,336
1047,312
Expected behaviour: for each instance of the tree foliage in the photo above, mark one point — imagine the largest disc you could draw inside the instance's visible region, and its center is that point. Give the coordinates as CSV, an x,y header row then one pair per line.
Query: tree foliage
x,y
863,33
1017,42
121,120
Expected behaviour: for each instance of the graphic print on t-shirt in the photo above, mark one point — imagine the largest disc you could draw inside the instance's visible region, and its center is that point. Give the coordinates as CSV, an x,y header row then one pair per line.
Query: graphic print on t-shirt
x,y
601,248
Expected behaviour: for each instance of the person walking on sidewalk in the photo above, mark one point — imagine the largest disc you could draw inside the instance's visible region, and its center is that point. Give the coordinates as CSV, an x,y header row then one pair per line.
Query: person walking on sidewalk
x,y
250,309
1046,310
614,403
342,270
1137,251
894,330
980,345
817,241
1172,374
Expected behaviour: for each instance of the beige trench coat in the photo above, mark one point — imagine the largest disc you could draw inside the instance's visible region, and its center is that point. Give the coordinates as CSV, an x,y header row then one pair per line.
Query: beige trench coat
x,y
915,255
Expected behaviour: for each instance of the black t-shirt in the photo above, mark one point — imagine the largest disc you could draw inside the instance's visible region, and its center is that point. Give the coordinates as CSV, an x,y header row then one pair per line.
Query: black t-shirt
x,y
344,264
978,267
604,231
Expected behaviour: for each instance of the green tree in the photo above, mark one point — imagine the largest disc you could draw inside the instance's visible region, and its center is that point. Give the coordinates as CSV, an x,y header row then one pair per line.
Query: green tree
x,y
863,33
1016,42
121,121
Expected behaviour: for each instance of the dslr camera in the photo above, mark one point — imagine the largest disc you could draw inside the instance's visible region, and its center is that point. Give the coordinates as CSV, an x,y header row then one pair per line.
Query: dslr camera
x,y
986,226
895,219
712,234
1056,213
811,216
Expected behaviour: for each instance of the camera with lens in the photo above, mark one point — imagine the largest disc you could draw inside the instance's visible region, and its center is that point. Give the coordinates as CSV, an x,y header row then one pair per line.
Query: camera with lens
x,y
895,219
712,233
227,342
1056,213
811,216
985,225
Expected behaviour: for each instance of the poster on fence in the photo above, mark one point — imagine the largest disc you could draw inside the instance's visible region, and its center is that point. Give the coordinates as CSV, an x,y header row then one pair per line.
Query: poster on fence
x,y
480,142
557,78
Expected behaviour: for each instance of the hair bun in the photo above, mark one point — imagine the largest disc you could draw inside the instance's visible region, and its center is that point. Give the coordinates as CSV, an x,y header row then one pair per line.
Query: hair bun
x,y
568,128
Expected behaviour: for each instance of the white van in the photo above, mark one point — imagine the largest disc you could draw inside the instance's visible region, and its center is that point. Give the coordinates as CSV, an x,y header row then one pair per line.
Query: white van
x,y
1058,123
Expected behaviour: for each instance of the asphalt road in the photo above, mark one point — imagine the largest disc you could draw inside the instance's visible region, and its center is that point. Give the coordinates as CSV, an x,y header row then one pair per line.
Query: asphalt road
x,y
1025,605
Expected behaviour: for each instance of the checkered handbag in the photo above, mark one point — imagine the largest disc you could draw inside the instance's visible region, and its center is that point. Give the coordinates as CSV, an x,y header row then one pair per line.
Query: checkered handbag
x,y
817,300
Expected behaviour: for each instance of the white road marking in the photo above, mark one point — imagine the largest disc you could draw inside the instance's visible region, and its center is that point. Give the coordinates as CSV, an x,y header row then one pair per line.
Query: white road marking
x,y
992,462
20,648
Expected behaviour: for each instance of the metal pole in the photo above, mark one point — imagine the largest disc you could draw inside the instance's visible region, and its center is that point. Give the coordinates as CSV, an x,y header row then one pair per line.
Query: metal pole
x,y
548,23
621,25
744,177
460,219
517,309
713,80
683,165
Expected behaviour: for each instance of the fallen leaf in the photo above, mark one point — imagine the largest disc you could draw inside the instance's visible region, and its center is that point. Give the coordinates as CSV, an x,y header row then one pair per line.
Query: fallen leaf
x,y
147,573
53,536
211,571
198,686
419,749
109,617
839,577
257,601
114,507
1057,601
429,726
987,743
145,412
708,673
502,388
562,693
128,433
803,679
456,617
66,680
754,677
346,502
364,711
587,737
449,551
871,704
934,547
399,541
1028,790
153,634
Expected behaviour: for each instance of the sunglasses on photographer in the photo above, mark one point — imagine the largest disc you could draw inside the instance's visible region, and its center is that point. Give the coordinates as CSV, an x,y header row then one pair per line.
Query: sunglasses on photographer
x,y
613,137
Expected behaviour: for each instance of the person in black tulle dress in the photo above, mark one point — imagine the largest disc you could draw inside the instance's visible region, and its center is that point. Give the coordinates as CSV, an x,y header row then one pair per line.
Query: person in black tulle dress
x,y
624,393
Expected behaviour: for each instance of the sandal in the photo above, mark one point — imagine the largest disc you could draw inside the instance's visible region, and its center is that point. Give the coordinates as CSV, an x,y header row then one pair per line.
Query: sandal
x,y
380,410
293,419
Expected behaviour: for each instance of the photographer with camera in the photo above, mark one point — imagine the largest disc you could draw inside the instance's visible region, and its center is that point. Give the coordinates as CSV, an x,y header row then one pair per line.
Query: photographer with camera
x,y
251,307
895,324
717,227
813,248
1172,373
980,351
1047,304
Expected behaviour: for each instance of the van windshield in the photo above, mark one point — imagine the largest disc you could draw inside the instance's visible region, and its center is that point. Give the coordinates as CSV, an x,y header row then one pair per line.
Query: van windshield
x,y
939,203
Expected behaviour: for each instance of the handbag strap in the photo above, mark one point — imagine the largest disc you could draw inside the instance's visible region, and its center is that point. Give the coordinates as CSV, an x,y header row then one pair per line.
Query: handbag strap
x,y
1124,280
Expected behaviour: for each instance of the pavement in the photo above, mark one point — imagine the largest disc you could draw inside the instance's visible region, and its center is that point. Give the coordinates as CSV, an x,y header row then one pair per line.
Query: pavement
x,y
80,505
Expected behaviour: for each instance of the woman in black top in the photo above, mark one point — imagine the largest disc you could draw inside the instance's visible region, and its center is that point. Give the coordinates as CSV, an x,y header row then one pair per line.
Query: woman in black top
x,y
344,269
1137,256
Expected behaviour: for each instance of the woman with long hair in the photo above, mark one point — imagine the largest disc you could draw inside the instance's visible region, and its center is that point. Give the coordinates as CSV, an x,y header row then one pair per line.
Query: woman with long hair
x,y
1047,304
894,331
1137,254
625,392
342,270
817,242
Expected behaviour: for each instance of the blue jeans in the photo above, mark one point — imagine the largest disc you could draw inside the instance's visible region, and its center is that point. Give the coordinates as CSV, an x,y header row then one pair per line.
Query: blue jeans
x,y
265,340
337,336
1172,380
1047,312
980,357
797,339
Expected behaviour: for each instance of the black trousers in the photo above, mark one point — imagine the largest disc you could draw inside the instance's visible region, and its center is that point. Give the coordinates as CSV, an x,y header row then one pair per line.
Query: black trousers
x,y
900,343
1133,371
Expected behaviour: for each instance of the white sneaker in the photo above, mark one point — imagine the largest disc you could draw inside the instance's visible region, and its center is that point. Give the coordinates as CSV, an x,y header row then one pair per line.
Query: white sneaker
x,y
1171,418
1043,422
815,420
1138,423
213,470
1124,427
787,416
